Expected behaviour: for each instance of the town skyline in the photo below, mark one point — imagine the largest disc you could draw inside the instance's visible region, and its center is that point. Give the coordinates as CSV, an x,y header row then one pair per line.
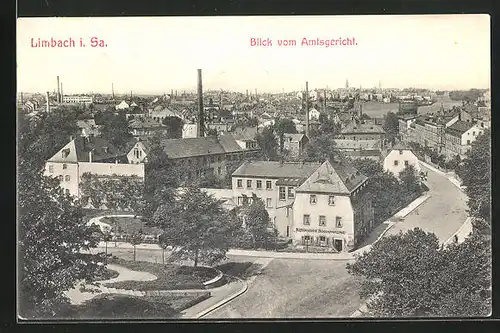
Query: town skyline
x,y
152,52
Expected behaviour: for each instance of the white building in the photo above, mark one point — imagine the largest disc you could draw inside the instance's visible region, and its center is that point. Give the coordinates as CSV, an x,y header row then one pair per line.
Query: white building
x,y
122,106
398,158
78,99
313,114
89,155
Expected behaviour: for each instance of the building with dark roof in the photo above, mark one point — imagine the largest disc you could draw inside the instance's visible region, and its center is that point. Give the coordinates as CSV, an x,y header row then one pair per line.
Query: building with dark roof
x,y
459,137
92,155
314,204
359,130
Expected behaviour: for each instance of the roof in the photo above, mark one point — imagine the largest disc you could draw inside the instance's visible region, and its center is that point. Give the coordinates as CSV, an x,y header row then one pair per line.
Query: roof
x,y
86,123
400,146
338,178
79,148
361,153
460,127
245,133
144,123
354,127
190,147
272,169
294,137
352,144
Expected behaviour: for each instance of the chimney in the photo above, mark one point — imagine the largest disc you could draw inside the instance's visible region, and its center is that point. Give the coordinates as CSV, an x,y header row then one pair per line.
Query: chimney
x,y
201,117
48,103
22,102
307,108
90,156
62,93
58,91
113,91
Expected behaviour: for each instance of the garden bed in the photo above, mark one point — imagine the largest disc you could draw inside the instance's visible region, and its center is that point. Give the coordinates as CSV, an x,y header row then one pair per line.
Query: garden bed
x,y
169,277
107,274
113,306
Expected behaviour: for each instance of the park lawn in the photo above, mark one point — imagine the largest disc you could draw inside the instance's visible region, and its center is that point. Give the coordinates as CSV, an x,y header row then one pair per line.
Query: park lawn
x,y
169,277
130,225
114,306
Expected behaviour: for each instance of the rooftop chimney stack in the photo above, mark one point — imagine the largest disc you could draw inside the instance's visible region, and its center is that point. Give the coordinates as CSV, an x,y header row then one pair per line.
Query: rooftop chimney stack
x,y
58,98
307,108
48,103
201,117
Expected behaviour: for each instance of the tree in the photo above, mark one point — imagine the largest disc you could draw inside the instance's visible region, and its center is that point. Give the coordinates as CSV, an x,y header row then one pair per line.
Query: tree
x,y
212,132
475,173
391,126
410,181
174,127
283,126
326,126
268,144
368,167
197,224
257,221
51,229
410,275
115,129
135,239
106,237
320,149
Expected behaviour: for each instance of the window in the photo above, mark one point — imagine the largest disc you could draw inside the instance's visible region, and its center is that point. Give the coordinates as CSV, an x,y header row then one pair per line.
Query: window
x,y
51,168
65,166
322,239
269,202
338,222
67,178
269,185
322,221
245,200
291,195
282,193
249,183
331,200
219,170
395,162
312,199
212,159
240,201
67,192
61,178
400,152
239,183
474,133
307,219
259,183
406,163
468,142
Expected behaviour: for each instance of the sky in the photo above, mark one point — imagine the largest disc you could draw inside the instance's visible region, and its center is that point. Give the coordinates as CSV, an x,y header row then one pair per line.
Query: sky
x,y
152,55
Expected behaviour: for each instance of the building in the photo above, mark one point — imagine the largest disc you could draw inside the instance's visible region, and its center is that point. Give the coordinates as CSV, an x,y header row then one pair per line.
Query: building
x,y
354,145
459,137
314,204
332,208
408,107
122,106
371,154
159,113
398,158
294,143
204,156
359,130
313,114
145,127
78,99
88,127
89,155
429,132
405,122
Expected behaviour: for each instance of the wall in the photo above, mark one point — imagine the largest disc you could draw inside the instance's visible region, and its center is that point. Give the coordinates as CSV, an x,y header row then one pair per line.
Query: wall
x,y
109,169
71,171
406,155
342,208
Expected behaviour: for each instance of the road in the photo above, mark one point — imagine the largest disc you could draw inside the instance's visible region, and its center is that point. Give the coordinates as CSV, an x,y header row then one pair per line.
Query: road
x,y
443,213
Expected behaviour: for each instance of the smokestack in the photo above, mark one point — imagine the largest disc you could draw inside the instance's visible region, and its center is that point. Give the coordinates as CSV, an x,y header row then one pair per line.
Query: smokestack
x,y
48,103
201,117
324,100
247,93
22,101
58,91
220,101
62,93
113,91
130,94
307,109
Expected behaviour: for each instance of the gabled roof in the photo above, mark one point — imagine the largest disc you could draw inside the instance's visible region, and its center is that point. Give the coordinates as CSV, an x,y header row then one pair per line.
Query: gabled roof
x,y
245,133
78,150
336,178
460,127
294,137
354,128
272,169
352,144
144,123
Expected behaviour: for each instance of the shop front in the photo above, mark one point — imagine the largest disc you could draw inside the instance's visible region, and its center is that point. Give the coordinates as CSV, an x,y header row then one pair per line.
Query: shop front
x,y
337,240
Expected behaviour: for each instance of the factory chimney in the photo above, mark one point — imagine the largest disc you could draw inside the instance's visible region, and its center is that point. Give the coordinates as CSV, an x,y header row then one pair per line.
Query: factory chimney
x,y
307,109
48,103
220,100
113,91
58,98
200,129
324,100
247,93
62,93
